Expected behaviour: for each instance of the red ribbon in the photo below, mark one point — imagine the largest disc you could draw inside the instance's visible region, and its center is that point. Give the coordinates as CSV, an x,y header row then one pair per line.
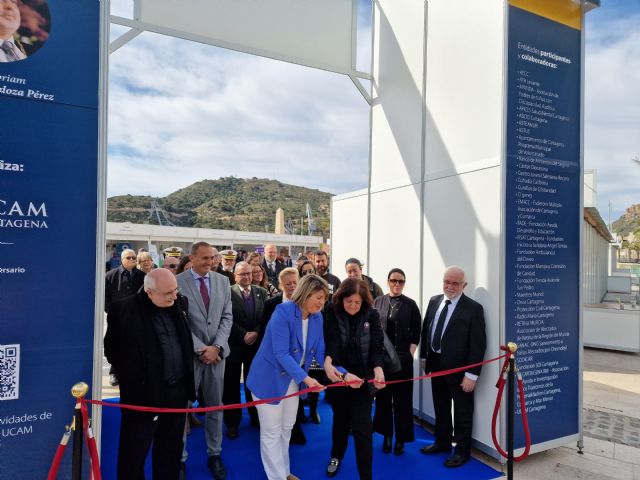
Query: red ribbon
x,y
233,406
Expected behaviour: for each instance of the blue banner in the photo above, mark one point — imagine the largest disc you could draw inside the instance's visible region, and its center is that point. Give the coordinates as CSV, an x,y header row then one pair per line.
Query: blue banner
x,y
49,71
543,213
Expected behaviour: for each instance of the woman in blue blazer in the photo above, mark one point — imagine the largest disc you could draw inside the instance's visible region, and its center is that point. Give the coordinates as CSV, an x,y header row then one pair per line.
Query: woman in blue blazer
x,y
292,340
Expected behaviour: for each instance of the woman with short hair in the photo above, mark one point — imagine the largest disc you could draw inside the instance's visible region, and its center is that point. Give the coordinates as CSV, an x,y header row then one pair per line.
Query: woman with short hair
x,y
145,262
306,267
293,338
354,347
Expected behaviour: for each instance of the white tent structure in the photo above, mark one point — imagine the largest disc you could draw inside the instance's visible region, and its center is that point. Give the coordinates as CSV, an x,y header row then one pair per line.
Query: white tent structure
x,y
437,91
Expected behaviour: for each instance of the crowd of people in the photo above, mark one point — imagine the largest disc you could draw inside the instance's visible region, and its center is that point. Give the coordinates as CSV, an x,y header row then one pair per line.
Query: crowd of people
x,y
192,328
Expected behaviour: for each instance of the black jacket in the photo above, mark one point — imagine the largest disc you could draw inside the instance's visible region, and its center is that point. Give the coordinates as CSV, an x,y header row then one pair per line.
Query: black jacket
x,y
464,340
408,321
132,347
368,328
117,286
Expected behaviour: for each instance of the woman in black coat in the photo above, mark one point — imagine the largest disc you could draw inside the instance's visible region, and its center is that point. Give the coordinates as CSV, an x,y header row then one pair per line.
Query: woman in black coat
x,y
400,317
354,339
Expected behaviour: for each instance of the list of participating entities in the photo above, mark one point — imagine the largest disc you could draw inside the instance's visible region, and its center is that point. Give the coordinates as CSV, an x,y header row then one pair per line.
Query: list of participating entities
x,y
540,240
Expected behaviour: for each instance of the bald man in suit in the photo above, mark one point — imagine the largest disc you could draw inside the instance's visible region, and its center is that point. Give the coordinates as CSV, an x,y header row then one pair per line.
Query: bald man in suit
x,y
453,335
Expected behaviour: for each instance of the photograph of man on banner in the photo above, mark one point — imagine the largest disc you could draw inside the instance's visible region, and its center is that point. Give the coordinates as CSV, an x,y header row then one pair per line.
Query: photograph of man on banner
x,y
24,28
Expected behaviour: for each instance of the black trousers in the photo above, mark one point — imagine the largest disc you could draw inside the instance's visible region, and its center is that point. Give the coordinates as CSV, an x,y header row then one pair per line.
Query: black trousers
x,y
352,410
445,391
394,404
139,430
231,393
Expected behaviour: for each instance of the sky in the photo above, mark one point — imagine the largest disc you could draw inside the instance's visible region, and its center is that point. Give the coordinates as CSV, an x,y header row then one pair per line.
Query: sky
x,y
212,112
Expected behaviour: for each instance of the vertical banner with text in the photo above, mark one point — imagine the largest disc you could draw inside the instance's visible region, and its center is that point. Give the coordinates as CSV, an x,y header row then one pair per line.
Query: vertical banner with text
x,y
49,72
542,211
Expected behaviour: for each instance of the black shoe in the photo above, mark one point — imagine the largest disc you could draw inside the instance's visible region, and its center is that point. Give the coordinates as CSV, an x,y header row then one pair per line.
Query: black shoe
x,y
434,448
113,380
297,436
232,433
398,449
456,460
182,473
386,444
332,468
216,467
313,414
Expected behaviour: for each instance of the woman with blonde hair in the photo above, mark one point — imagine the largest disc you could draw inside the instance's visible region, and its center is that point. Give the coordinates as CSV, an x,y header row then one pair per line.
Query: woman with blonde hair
x,y
145,262
294,336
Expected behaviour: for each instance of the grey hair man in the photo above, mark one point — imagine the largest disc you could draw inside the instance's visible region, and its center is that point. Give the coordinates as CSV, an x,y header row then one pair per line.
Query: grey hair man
x,y
271,264
453,335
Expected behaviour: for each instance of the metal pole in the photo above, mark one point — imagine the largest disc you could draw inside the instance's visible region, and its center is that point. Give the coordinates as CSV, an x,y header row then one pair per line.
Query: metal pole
x,y
76,459
510,416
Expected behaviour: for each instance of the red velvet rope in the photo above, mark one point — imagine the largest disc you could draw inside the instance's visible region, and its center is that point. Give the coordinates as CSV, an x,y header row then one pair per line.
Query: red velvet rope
x,y
525,421
233,406
91,443
55,464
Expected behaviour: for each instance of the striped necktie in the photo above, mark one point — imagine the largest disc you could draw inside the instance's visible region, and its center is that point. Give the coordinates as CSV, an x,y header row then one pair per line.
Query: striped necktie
x,y
8,49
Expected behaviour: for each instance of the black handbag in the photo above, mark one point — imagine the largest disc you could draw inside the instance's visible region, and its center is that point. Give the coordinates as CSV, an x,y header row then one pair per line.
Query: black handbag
x,y
390,359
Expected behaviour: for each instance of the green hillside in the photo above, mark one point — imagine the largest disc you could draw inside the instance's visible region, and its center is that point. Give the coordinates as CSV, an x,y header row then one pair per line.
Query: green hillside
x,y
228,203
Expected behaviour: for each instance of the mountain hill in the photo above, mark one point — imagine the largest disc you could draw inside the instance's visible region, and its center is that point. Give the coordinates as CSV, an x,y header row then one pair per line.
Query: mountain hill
x,y
628,222
228,203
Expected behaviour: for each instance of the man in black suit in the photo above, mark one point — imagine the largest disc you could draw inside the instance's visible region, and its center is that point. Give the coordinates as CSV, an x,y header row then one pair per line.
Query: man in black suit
x,y
119,283
271,264
453,335
149,342
247,304
123,281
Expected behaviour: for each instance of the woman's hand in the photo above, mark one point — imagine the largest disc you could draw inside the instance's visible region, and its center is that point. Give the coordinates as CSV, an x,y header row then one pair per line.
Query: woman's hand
x,y
378,378
357,381
333,374
314,384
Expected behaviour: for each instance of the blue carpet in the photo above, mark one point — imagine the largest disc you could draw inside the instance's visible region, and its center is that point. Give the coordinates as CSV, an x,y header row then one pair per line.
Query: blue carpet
x,y
242,456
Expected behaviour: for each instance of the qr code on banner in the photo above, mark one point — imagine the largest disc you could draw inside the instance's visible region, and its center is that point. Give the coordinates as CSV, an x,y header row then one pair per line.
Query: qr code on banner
x,y
9,371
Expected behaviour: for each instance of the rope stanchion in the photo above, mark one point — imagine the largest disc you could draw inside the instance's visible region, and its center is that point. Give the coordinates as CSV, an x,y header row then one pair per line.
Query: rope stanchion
x,y
509,368
81,428
84,425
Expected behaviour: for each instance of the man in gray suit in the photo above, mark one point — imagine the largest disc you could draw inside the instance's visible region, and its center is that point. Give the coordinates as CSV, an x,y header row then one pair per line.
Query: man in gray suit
x,y
210,320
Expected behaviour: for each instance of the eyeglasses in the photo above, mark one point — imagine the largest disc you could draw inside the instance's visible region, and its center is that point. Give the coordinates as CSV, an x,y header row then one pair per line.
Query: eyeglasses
x,y
244,274
170,294
172,266
397,281
128,258
306,272
453,284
